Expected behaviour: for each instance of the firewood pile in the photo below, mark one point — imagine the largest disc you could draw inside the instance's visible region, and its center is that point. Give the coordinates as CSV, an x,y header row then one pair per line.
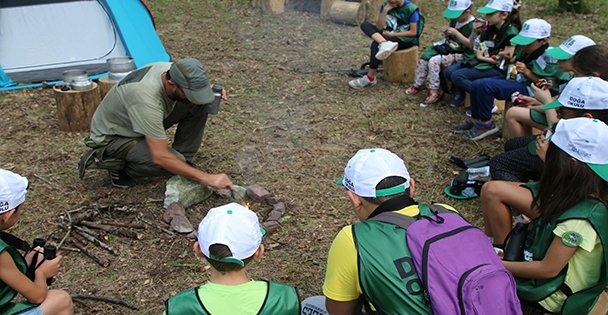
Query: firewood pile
x,y
88,229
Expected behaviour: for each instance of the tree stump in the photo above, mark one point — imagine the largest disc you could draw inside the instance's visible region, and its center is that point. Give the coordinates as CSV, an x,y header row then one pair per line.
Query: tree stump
x,y
274,6
75,108
325,7
105,85
352,13
373,10
400,66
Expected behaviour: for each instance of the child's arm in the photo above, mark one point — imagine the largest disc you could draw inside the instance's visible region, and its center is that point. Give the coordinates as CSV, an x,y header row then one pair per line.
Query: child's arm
x,y
555,260
381,23
523,69
35,292
465,41
409,33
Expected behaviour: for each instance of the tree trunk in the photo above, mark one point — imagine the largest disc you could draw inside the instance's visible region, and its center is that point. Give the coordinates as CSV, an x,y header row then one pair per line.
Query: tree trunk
x,y
352,13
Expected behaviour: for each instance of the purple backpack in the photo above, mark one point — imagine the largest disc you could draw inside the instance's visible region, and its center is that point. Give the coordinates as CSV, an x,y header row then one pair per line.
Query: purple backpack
x,y
457,266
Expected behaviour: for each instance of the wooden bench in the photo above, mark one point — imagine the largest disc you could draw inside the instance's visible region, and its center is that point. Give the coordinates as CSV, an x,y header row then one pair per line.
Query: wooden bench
x,y
400,66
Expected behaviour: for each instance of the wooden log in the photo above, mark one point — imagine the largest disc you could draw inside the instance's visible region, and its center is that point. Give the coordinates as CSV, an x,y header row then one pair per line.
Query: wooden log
x,y
325,7
75,108
274,6
105,85
373,10
400,66
352,13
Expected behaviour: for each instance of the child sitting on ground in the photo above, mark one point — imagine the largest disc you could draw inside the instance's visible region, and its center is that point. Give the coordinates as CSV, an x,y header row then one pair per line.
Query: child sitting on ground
x,y
445,52
230,238
399,26
13,266
531,64
566,251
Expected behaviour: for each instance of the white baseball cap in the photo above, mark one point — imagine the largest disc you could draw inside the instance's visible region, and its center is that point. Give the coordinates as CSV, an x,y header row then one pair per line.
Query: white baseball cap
x,y
585,140
368,167
234,226
13,188
532,30
456,8
497,5
568,48
590,93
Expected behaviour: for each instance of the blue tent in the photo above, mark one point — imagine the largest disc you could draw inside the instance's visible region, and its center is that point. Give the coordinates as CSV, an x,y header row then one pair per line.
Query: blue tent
x,y
39,39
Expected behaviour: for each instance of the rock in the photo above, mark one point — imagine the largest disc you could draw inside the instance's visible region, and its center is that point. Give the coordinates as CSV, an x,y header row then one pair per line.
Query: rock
x,y
237,194
271,226
181,225
273,200
257,192
175,209
274,216
279,207
185,191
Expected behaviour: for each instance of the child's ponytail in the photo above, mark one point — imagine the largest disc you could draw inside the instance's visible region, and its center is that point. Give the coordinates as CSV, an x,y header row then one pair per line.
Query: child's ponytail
x,y
514,19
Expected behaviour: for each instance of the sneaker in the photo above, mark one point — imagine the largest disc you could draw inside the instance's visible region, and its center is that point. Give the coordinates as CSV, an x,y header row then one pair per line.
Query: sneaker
x,y
361,82
432,98
480,131
494,110
386,49
458,99
120,179
462,127
414,89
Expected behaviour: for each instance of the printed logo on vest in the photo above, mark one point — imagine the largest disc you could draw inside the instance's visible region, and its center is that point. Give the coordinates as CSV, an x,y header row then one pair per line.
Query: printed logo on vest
x,y
572,239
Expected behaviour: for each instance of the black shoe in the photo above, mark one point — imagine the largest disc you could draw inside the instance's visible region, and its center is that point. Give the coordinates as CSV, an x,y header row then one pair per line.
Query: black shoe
x,y
120,179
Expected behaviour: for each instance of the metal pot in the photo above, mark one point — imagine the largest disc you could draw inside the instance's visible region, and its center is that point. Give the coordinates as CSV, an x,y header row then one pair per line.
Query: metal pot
x,y
120,64
77,79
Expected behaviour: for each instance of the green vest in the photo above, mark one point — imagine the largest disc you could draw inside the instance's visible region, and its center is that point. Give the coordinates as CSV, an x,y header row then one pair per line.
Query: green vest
x,y
386,270
492,34
280,299
403,15
7,294
538,242
464,30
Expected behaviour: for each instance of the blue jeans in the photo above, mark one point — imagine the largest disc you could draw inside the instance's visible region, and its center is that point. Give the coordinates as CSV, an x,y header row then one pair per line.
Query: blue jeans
x,y
462,77
484,91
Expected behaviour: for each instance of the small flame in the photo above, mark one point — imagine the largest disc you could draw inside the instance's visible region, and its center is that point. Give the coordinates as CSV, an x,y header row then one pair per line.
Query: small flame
x,y
246,204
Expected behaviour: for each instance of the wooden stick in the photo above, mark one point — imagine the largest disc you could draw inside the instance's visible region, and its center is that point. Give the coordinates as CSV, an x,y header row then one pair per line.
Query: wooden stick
x,y
122,224
104,299
69,249
82,232
156,226
90,255
112,230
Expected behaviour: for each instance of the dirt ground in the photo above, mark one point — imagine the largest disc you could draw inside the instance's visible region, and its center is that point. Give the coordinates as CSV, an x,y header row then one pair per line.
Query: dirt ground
x,y
290,125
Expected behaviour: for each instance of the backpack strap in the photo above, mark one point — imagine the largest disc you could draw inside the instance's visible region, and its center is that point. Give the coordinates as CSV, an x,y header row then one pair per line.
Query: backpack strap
x,y
15,242
397,219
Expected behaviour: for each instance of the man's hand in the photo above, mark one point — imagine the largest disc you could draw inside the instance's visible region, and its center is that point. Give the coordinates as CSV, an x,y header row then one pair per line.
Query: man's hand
x,y
220,181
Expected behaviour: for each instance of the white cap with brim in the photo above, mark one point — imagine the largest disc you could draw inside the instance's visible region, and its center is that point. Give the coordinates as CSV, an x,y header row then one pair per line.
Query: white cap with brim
x,y
584,93
368,167
496,5
532,30
13,188
585,140
568,48
456,8
234,226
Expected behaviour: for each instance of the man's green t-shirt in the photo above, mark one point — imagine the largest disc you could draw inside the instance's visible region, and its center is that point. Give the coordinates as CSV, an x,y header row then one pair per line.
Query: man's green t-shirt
x,y
135,107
